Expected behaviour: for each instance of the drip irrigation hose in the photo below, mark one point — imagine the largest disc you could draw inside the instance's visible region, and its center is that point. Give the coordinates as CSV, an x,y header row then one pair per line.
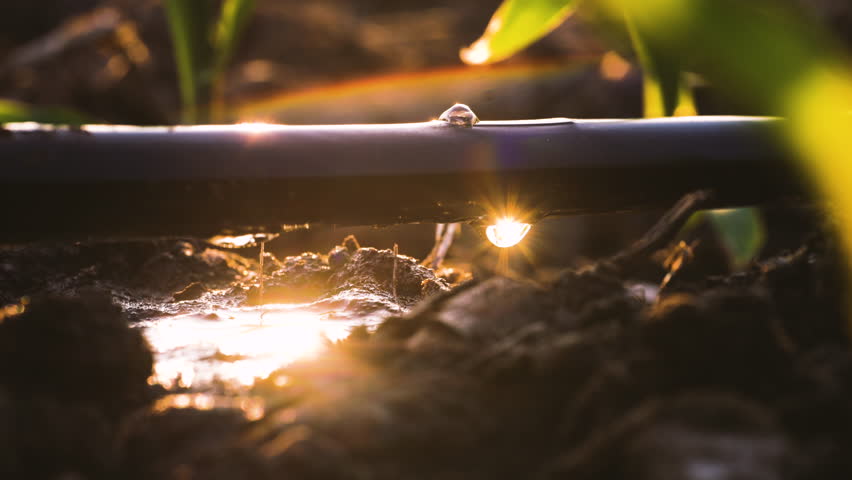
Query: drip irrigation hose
x,y
203,180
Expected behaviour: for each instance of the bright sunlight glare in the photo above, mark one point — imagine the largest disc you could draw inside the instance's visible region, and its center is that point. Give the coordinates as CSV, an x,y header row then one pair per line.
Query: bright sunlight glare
x,y
239,348
507,232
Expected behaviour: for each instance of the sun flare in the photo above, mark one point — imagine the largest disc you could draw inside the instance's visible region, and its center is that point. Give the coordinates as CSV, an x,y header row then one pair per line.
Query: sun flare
x,y
238,346
507,232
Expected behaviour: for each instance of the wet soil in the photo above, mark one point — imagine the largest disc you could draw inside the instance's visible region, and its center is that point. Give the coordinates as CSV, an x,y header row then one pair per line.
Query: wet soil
x,y
732,375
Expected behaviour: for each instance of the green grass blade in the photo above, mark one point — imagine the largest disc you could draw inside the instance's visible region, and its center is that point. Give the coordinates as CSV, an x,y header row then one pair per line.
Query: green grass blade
x,y
233,20
515,25
662,87
188,22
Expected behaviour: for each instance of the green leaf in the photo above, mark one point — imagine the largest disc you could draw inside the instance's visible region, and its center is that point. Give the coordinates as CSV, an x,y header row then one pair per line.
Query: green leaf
x,y
189,25
13,111
776,61
515,25
665,93
742,233
663,85
232,21
235,16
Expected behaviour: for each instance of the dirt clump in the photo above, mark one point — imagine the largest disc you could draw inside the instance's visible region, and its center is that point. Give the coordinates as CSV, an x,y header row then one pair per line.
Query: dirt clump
x,y
347,271
295,279
382,272
76,350
70,371
690,436
189,443
151,269
193,291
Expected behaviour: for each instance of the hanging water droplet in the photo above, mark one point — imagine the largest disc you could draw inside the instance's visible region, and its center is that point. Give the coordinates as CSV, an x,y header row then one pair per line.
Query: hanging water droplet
x,y
507,232
476,54
459,115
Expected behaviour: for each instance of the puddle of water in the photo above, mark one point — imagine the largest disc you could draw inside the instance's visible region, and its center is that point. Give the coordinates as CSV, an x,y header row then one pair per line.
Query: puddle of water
x,y
238,345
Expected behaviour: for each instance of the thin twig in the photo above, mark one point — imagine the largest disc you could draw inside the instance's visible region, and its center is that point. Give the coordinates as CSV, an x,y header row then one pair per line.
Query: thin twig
x,y
663,232
393,286
439,234
444,246
262,254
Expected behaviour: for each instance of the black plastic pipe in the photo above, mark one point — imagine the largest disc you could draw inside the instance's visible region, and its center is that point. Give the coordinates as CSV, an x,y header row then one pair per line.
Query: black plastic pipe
x,y
126,181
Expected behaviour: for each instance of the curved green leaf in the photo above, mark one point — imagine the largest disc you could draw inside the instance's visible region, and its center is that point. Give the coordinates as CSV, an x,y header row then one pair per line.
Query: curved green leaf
x,y
662,83
777,62
515,25
741,231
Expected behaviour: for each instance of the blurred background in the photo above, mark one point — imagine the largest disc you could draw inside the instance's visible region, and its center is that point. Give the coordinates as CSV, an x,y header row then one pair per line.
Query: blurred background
x,y
340,61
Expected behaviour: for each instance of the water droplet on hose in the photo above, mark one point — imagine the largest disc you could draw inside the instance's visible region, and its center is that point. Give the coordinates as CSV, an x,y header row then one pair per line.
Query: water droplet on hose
x,y
507,232
459,115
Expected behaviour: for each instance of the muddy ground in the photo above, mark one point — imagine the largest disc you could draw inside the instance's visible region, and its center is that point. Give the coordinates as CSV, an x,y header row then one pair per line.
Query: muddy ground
x,y
740,375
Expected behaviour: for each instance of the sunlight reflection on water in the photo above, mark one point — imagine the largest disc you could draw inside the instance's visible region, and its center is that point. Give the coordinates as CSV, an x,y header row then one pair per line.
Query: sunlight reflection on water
x,y
239,345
